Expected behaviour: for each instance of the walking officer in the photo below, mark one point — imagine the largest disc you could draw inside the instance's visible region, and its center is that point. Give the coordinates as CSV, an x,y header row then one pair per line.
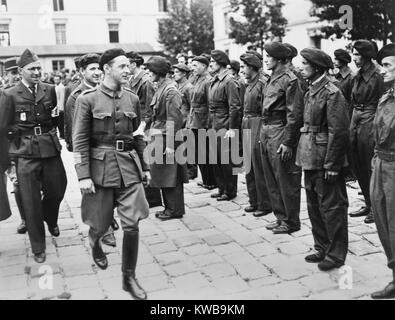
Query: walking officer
x,y
367,89
322,154
26,110
383,176
110,164
255,178
282,103
224,116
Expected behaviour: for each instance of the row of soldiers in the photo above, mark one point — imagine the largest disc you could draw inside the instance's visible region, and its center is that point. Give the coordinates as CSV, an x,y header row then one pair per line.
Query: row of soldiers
x,y
298,119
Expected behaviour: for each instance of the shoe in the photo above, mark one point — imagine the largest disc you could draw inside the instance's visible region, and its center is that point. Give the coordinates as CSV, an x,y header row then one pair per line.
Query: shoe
x,y
327,265
315,258
211,187
165,216
387,293
262,213
250,209
115,225
285,229
369,219
130,249
225,197
40,257
54,231
364,211
22,229
99,257
216,195
109,240
273,225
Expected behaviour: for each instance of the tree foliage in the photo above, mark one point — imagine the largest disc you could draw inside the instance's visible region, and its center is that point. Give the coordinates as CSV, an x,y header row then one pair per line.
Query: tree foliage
x,y
256,21
372,19
188,26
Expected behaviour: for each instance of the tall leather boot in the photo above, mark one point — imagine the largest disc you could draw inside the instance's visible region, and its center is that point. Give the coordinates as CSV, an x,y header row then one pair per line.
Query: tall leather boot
x,y
130,250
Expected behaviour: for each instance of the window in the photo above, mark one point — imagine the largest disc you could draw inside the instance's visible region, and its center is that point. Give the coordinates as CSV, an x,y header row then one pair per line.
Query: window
x,y
4,35
60,33
163,6
58,5
112,5
114,32
3,6
57,65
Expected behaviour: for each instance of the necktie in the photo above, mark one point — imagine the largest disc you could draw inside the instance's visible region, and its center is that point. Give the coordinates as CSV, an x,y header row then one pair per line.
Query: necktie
x,y
33,90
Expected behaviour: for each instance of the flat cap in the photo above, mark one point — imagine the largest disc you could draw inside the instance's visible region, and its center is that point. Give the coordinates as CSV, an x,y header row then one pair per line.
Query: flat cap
x,y
88,59
10,64
255,53
235,65
26,58
110,55
387,51
251,60
202,59
220,57
277,50
342,55
159,65
135,57
317,58
365,48
292,49
182,67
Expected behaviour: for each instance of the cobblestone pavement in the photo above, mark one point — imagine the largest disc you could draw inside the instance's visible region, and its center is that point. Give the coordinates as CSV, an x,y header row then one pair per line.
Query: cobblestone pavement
x,y
216,252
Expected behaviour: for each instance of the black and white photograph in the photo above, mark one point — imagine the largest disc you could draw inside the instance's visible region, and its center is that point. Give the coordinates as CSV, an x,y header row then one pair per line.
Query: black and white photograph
x,y
197,150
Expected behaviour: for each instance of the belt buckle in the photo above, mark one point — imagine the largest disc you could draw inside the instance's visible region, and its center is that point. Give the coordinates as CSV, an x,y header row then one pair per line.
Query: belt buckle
x,y
38,131
120,145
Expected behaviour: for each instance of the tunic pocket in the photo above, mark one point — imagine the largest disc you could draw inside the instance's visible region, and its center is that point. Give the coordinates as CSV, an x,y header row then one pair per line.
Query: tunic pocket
x,y
24,113
101,122
132,121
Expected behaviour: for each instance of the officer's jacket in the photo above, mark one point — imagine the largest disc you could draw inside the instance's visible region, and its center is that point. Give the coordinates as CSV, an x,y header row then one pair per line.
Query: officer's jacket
x,y
198,116
253,98
283,100
345,78
71,86
185,89
367,90
69,111
30,121
104,121
166,109
384,124
142,86
324,138
224,102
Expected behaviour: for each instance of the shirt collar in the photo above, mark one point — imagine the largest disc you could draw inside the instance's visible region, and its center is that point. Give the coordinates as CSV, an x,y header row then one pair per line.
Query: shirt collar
x,y
111,93
86,84
27,85
221,75
318,80
318,84
368,71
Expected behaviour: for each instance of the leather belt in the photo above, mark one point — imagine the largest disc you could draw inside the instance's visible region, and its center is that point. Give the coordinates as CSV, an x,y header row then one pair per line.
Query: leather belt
x,y
362,107
311,129
118,145
273,121
36,131
386,156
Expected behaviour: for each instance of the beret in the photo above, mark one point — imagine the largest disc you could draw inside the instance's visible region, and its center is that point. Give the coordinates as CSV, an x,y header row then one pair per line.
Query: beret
x,y
277,50
110,55
255,53
26,58
292,49
182,67
135,57
386,51
220,57
342,55
251,60
10,64
317,58
365,48
235,65
159,65
88,59
202,59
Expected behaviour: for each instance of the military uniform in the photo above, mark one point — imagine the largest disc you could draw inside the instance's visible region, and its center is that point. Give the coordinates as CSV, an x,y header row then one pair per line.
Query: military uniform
x,y
36,150
224,114
345,78
281,103
323,146
71,86
367,89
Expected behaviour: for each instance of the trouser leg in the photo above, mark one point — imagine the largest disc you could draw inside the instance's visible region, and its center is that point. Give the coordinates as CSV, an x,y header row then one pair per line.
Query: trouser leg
x,y
263,198
251,188
153,196
18,200
174,199
61,124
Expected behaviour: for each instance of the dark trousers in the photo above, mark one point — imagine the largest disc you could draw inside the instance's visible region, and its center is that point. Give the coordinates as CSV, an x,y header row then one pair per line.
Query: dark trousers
x,y
42,184
5,211
283,179
153,196
383,206
327,204
19,203
206,169
174,199
61,124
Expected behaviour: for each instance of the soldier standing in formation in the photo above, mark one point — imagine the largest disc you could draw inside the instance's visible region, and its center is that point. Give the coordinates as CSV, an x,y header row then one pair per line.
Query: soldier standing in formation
x,y
322,154
110,164
345,75
26,111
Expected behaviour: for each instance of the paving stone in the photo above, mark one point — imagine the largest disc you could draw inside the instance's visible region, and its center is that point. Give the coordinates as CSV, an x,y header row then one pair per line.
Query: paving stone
x,y
42,290
180,269
276,238
190,282
362,248
162,248
36,270
155,283
228,207
230,285
244,237
11,261
219,270
72,251
293,248
169,258
331,295
218,239
228,248
148,270
264,282
262,249
12,271
197,204
13,295
94,293
252,270
362,229
68,241
373,239
13,283
197,249
285,290
207,259
239,258
318,283
80,282
194,223
154,239
78,270
187,241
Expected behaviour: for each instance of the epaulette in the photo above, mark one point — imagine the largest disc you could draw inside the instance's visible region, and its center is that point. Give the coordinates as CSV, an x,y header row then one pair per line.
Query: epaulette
x,y
76,91
331,87
128,89
88,91
291,75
